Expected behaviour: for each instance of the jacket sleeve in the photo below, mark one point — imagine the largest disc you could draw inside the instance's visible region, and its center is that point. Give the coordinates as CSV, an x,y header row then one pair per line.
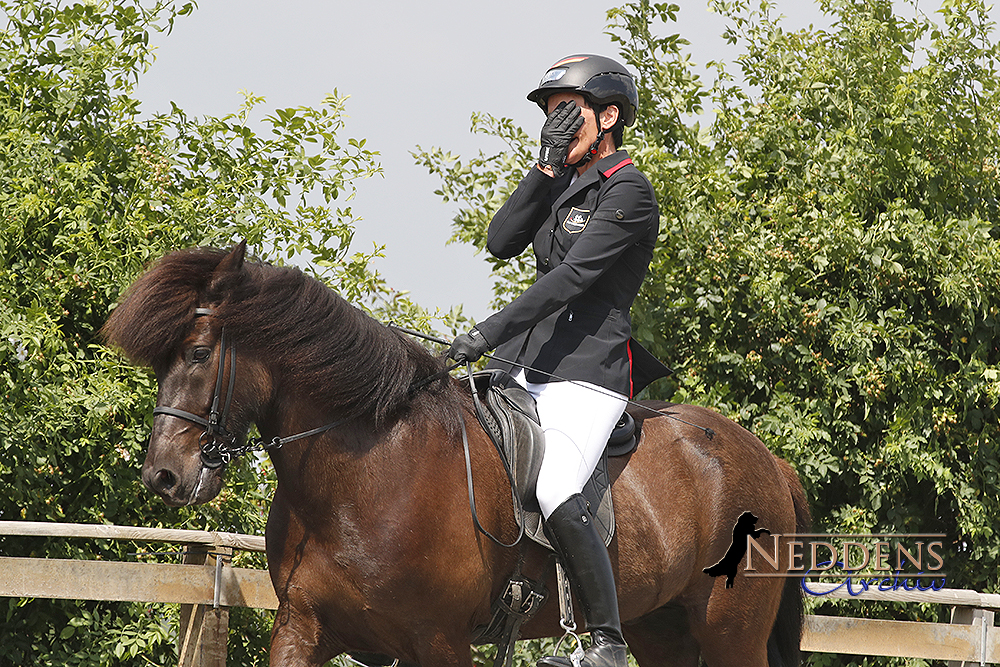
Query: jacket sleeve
x,y
605,239
514,225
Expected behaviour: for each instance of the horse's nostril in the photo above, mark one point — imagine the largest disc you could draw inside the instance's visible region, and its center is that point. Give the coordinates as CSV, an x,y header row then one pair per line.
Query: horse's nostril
x,y
164,480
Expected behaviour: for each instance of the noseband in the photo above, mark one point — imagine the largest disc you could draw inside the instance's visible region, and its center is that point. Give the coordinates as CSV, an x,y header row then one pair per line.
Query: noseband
x,y
216,442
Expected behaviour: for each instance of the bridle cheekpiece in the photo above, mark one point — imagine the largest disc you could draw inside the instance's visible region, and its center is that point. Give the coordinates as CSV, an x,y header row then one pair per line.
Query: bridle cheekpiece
x,y
217,443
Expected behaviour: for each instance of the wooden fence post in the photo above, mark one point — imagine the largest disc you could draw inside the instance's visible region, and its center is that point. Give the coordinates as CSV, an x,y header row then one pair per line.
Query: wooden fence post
x,y
981,618
204,628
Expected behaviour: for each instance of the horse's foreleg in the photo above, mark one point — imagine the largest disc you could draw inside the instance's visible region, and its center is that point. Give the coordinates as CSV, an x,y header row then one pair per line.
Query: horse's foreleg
x,y
442,650
298,640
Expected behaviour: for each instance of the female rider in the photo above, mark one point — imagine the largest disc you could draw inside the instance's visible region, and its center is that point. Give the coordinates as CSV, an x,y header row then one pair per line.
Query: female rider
x,y
592,219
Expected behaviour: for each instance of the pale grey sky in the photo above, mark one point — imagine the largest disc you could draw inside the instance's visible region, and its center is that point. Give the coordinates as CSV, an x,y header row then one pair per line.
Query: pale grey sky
x,y
415,71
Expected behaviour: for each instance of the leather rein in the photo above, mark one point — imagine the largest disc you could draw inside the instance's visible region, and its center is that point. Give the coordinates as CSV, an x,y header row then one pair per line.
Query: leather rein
x,y
218,445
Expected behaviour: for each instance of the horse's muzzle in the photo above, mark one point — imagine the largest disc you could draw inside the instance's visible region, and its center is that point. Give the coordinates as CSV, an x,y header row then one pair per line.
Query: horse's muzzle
x,y
194,485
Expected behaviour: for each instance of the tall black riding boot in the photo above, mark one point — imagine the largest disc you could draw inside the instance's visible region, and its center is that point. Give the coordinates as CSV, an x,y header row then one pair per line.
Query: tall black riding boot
x,y
588,567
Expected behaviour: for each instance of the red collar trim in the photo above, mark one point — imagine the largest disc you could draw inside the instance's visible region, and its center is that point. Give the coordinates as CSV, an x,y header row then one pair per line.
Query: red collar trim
x,y
612,170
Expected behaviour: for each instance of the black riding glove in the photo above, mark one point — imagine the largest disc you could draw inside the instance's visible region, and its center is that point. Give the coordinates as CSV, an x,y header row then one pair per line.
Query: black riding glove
x,y
469,347
557,133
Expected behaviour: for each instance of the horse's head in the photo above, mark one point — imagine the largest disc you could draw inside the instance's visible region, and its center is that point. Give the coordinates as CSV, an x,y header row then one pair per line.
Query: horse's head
x,y
168,320
234,344
188,410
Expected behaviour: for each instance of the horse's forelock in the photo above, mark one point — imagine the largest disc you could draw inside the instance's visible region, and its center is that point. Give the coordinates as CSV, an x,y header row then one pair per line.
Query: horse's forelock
x,y
341,356
156,311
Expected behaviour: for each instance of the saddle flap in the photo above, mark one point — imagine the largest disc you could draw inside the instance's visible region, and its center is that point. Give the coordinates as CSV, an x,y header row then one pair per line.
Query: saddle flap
x,y
598,494
516,430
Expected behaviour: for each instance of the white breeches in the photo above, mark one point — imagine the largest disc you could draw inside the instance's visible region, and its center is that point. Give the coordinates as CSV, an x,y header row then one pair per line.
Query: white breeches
x,y
577,419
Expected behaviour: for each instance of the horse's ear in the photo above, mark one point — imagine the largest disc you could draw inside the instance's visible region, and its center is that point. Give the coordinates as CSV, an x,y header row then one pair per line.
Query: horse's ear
x,y
234,260
230,266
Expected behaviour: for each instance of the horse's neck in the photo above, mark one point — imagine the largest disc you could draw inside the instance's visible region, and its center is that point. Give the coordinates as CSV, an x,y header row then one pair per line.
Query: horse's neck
x,y
358,463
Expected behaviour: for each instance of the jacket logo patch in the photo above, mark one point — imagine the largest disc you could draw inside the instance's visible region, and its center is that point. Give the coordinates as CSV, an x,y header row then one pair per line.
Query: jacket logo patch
x,y
576,221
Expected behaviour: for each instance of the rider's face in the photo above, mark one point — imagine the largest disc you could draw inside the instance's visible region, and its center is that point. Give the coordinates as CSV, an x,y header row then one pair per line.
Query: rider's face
x,y
587,134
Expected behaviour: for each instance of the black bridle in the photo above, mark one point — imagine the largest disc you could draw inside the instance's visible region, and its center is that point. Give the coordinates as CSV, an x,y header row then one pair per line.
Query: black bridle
x,y
218,445
216,441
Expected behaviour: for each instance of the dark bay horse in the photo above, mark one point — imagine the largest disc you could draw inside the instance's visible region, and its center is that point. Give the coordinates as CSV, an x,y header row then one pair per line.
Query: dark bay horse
x,y
370,541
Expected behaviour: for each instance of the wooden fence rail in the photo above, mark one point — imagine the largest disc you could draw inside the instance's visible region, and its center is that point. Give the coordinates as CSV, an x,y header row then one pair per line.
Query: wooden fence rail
x,y
206,586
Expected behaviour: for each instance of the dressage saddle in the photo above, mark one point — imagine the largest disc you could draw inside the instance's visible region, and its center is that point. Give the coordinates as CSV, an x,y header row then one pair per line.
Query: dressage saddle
x,y
511,421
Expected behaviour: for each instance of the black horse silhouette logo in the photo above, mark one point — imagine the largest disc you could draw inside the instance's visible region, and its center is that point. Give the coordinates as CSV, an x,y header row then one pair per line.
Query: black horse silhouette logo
x,y
727,566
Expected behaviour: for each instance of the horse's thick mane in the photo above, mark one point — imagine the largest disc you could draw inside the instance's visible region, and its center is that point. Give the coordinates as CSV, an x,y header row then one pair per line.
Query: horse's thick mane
x,y
332,352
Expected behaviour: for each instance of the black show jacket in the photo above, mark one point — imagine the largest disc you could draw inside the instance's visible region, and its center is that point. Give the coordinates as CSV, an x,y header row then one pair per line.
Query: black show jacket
x,y
593,241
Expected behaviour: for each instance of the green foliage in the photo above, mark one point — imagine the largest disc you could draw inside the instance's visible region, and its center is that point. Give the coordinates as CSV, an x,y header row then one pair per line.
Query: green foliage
x,y
89,195
827,272
89,634
836,290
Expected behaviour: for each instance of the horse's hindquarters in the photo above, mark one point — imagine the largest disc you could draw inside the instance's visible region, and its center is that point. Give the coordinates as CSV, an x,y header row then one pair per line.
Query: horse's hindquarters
x,y
677,503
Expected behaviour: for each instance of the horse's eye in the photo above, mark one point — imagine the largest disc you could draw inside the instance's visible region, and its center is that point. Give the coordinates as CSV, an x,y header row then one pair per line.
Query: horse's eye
x,y
200,354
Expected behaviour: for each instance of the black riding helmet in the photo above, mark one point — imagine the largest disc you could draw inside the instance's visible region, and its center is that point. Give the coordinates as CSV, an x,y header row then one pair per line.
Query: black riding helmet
x,y
599,80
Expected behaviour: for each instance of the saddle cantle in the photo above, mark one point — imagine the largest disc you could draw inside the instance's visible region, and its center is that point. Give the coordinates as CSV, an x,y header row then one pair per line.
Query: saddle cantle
x,y
512,422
